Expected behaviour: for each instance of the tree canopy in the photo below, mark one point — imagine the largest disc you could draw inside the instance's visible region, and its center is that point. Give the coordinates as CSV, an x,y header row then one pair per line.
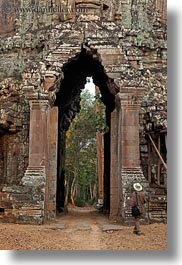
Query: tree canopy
x,y
81,153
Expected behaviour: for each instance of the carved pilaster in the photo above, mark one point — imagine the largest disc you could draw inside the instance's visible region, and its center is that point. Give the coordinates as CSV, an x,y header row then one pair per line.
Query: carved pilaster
x,y
40,105
130,97
128,106
38,132
128,101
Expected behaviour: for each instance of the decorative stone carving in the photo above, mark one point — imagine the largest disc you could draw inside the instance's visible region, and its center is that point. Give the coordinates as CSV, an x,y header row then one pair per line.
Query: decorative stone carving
x,y
93,4
130,97
49,81
87,10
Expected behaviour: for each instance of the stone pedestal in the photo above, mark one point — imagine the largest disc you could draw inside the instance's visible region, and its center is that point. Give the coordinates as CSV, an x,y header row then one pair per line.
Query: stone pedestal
x,y
128,177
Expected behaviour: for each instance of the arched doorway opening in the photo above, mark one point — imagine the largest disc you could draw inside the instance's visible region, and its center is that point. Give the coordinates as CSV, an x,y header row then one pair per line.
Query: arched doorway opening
x,y
76,70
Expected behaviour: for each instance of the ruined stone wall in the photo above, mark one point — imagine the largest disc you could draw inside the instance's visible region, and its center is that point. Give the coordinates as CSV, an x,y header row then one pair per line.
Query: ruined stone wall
x,y
153,120
14,135
31,14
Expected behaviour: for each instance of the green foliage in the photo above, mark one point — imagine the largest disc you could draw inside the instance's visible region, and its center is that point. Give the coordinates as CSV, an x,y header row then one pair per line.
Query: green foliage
x,y
81,154
80,202
100,119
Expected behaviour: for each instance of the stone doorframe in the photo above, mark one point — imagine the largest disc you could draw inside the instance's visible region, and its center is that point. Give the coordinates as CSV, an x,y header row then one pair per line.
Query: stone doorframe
x,y
42,166
124,145
125,154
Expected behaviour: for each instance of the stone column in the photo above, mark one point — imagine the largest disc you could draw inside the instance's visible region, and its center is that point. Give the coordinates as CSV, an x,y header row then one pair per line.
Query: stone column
x,y
38,141
38,133
52,164
100,152
130,132
36,174
128,102
100,163
115,175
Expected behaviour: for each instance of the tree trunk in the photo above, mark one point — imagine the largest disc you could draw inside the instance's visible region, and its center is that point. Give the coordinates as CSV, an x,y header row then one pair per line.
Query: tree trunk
x,y
73,191
67,192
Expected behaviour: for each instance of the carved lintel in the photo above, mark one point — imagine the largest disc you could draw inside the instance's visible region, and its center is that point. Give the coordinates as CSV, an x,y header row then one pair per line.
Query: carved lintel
x,y
42,105
30,93
130,97
47,91
95,4
49,80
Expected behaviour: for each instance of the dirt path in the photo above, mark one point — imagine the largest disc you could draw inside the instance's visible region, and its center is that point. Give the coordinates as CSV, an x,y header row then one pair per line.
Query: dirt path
x,y
82,229
85,226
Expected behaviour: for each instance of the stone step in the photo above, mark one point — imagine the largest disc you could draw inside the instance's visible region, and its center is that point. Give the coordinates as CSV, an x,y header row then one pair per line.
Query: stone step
x,y
111,227
156,189
34,174
15,190
36,169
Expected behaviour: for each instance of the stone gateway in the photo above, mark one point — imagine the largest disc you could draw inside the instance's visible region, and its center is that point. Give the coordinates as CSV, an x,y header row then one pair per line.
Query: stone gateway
x,y
45,58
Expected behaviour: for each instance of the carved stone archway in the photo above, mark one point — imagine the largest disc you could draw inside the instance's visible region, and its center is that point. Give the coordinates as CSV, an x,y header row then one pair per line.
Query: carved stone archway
x,y
122,102
124,166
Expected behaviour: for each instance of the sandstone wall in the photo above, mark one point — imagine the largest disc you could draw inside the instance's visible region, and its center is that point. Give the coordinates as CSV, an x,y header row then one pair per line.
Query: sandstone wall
x,y
14,136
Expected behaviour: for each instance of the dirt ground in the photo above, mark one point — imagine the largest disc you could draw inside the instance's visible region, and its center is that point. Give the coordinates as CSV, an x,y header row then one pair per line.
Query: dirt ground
x,y
82,229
